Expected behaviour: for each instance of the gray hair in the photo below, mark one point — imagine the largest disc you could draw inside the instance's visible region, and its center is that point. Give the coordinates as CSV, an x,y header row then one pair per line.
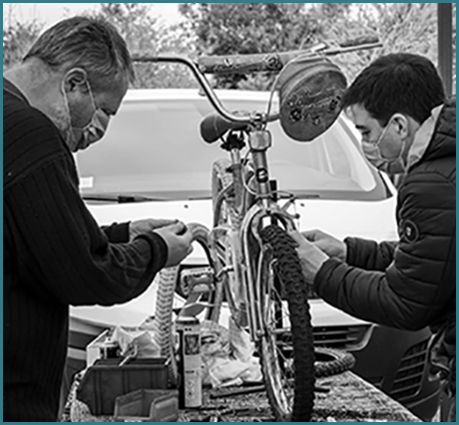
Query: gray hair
x,y
88,43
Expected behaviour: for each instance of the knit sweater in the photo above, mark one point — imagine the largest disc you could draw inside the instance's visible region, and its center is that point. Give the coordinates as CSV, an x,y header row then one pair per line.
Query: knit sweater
x,y
54,255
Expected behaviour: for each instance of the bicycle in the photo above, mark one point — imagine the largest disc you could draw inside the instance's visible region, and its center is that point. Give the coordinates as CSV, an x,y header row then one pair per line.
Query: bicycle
x,y
253,262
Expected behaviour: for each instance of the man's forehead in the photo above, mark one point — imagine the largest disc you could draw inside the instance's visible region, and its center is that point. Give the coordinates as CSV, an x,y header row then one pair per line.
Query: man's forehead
x,y
360,116
110,99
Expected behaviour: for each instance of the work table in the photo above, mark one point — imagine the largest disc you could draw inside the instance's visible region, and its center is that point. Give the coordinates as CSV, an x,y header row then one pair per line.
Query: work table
x,y
341,398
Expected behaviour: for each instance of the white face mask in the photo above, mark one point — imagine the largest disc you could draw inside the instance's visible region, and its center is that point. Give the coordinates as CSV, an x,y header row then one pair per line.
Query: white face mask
x,y
373,154
94,131
80,138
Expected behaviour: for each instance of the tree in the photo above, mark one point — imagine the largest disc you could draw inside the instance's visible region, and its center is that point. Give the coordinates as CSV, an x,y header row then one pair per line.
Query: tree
x,y
17,39
401,27
146,36
246,28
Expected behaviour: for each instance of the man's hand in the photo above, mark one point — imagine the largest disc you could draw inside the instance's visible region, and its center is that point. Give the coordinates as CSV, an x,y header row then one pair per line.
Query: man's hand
x,y
147,225
178,240
311,257
328,244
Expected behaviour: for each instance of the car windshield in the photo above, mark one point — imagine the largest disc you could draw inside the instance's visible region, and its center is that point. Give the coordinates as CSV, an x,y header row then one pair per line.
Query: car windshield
x,y
153,150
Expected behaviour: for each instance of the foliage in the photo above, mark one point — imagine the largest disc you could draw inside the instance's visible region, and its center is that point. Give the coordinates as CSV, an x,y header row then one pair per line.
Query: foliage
x,y
147,37
245,28
235,28
17,39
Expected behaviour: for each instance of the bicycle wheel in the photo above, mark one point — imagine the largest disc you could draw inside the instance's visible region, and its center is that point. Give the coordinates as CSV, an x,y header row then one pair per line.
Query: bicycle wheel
x,y
286,346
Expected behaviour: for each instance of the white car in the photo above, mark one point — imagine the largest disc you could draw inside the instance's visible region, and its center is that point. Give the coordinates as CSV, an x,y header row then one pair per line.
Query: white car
x,y
153,163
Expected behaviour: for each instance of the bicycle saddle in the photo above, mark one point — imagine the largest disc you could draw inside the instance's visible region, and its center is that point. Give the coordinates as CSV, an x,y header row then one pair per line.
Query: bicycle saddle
x,y
214,126
310,91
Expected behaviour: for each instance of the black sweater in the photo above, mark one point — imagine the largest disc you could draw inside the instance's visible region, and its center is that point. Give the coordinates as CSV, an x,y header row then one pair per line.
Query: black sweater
x,y
54,255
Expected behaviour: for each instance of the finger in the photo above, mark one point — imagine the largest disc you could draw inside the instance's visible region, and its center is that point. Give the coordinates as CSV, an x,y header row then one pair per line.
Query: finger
x,y
310,235
177,228
161,222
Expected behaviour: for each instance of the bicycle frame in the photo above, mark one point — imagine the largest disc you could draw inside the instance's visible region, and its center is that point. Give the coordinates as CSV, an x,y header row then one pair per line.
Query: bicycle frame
x,y
244,262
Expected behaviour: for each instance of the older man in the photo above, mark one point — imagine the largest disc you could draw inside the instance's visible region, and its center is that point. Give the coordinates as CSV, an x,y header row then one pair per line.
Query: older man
x,y
408,127
59,100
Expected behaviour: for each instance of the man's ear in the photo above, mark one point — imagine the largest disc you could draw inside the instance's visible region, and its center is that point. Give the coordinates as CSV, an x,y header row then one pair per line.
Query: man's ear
x,y
402,125
75,79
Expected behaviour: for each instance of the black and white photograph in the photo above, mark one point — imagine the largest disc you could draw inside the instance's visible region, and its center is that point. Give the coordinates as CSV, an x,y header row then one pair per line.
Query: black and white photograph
x,y
280,175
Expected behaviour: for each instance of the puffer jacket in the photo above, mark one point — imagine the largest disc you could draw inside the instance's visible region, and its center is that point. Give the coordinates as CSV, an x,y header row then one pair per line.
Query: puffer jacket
x,y
411,284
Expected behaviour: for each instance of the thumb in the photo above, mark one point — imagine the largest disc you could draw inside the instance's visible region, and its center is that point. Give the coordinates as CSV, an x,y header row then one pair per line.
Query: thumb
x,y
297,236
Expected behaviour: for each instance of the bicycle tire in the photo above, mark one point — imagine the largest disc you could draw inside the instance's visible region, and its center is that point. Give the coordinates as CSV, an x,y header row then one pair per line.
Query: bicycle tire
x,y
162,322
329,361
285,406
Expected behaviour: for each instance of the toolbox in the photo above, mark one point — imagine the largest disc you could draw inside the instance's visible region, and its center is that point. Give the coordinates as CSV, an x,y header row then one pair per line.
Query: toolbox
x,y
147,406
107,379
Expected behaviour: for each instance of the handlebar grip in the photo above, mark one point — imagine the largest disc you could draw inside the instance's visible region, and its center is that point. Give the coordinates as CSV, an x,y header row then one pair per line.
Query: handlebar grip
x,y
257,62
214,126
362,40
275,62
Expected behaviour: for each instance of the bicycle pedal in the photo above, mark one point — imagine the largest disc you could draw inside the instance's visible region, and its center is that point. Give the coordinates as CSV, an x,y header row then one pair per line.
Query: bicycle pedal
x,y
198,280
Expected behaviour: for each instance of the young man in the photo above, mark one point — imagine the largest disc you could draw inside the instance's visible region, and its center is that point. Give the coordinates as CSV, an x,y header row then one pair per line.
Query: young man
x,y
408,127
59,100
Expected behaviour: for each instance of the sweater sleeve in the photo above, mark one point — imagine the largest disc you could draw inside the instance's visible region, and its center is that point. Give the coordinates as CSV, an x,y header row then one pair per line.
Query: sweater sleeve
x,y
417,287
60,246
117,232
369,255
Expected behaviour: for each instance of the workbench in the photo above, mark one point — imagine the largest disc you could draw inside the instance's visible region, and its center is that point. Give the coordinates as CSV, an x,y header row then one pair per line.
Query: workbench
x,y
342,398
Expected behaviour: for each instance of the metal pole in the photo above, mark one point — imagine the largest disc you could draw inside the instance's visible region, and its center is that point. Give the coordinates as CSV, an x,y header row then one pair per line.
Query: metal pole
x,y
445,45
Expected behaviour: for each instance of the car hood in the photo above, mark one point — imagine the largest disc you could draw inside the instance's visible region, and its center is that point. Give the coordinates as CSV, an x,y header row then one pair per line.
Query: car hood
x,y
372,220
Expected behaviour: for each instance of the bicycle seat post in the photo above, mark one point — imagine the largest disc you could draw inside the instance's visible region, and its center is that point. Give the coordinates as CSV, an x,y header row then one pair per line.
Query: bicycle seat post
x,y
234,143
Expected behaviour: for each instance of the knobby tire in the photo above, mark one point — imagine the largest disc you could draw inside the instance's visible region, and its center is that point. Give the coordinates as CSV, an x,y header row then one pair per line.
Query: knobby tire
x,y
289,270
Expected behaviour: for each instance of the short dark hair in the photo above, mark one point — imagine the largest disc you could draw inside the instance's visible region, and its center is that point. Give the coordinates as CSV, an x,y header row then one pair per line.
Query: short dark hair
x,y
88,43
399,82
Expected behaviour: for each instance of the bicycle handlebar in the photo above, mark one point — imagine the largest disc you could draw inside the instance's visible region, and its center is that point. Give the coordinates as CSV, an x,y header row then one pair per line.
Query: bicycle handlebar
x,y
249,63
271,62
203,83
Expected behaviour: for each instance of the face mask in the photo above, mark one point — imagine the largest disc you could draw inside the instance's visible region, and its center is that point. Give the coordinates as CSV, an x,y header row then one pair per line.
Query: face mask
x,y
373,154
80,138
94,131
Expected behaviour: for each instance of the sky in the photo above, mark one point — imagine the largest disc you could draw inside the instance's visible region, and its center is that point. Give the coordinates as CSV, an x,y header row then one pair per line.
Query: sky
x,y
50,13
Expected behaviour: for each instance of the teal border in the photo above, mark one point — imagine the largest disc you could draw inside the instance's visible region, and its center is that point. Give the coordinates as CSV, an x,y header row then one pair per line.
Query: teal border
x,y
1,407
